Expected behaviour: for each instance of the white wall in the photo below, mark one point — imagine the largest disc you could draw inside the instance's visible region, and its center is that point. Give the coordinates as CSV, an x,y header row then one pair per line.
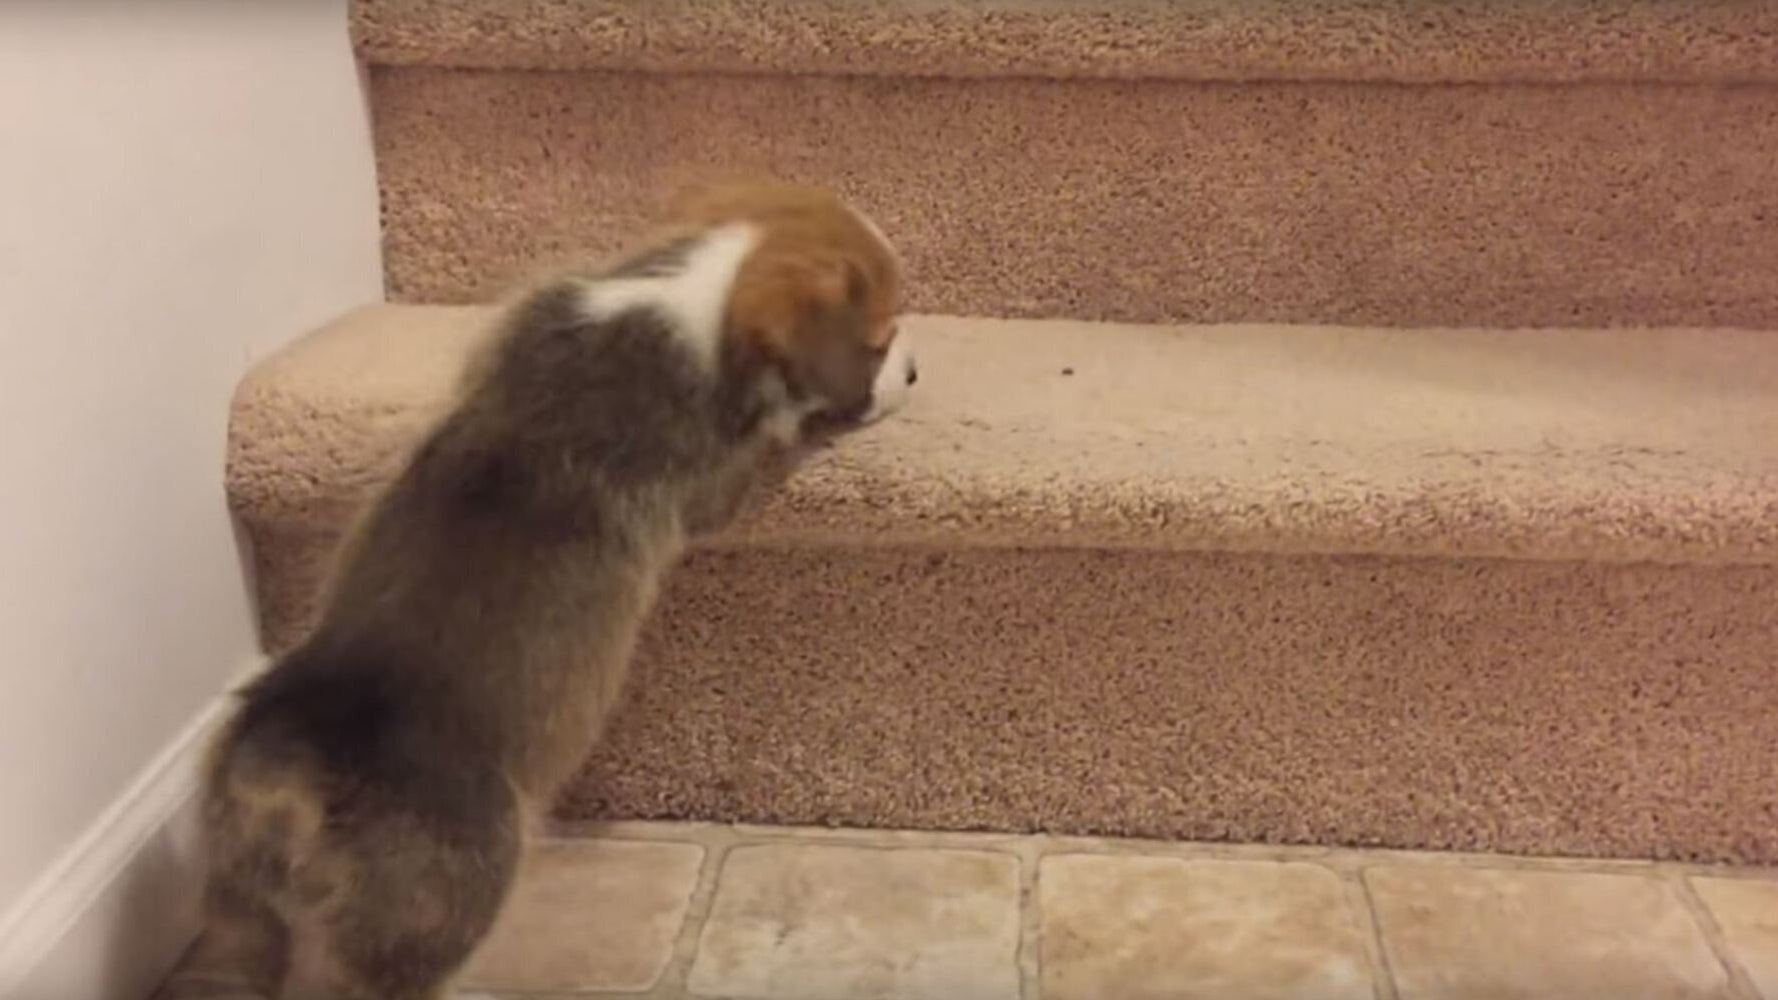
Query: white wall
x,y
183,185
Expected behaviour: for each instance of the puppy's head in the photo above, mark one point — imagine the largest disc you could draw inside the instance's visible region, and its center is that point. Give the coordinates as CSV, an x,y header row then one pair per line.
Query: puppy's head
x,y
813,304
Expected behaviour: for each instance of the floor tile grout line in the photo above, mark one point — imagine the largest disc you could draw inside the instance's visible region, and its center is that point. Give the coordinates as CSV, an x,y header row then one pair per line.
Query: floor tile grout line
x,y
1334,856
1030,954
675,979
1741,983
1382,968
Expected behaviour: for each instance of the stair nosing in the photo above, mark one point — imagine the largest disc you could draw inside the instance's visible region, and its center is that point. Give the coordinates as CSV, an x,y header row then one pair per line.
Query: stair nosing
x,y
863,490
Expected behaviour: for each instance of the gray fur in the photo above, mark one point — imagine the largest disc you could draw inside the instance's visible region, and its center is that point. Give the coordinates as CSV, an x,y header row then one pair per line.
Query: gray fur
x,y
367,802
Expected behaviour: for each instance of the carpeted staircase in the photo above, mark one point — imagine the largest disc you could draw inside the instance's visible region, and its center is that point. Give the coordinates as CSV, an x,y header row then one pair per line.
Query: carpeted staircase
x,y
1492,564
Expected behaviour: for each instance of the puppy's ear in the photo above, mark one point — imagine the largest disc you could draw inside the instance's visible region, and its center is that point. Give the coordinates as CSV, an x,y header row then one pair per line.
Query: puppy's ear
x,y
780,298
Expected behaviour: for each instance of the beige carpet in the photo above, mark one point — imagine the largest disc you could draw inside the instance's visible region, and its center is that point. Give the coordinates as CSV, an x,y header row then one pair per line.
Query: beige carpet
x,y
1494,590
1399,41
1366,162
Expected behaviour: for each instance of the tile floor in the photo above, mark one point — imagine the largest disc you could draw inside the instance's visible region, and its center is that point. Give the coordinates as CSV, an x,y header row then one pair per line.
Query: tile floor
x,y
663,910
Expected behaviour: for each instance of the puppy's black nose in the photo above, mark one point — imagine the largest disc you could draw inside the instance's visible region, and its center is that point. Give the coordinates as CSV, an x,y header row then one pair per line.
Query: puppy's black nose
x,y
913,373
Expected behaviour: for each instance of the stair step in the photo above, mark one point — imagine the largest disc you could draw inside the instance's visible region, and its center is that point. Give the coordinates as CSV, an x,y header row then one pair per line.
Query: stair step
x,y
1494,590
1575,163
1605,445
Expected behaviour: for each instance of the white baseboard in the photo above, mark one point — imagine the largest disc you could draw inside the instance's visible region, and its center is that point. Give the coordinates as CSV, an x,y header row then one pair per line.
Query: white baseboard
x,y
109,918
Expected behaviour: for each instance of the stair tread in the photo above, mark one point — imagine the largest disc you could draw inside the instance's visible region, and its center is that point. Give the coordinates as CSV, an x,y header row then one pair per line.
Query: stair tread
x,y
1598,444
1372,40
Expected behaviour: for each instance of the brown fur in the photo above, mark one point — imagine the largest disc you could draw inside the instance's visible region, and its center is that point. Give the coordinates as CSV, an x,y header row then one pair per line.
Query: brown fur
x,y
366,805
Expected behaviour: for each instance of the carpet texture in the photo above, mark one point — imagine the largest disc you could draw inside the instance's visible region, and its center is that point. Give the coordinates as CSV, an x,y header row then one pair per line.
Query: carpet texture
x,y
1487,705
1376,163
1400,41
1483,590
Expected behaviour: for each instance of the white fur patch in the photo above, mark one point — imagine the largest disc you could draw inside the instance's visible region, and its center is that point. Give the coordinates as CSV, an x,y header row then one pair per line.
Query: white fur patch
x,y
894,380
784,417
693,298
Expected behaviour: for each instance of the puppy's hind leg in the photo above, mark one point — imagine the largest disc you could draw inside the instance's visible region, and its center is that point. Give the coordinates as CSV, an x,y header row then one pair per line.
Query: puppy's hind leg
x,y
242,952
422,893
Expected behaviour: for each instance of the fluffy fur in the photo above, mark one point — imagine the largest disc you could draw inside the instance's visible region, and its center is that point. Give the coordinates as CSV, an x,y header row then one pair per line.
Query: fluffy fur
x,y
367,804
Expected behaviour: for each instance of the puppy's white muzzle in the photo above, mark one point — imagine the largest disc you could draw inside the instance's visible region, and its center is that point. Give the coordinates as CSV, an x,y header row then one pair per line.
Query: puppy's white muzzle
x,y
895,380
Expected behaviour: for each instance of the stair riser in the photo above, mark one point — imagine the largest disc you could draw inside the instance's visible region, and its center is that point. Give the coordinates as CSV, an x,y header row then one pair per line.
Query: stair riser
x,y
1479,205
1579,709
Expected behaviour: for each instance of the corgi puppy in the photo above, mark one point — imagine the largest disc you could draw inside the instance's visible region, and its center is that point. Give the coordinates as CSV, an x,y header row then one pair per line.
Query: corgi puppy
x,y
366,805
